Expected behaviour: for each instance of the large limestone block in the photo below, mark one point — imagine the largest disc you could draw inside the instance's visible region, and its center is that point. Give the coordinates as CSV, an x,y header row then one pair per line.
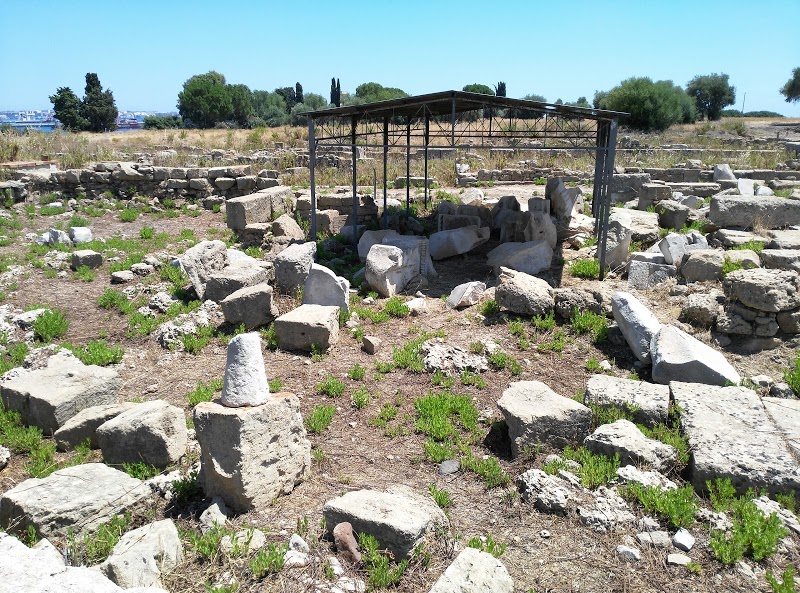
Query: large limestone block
x,y
86,257
49,396
292,266
245,381
523,294
84,424
731,436
781,259
649,402
324,287
143,555
250,455
644,225
234,277
285,226
389,268
785,413
42,570
474,571
784,239
78,498
446,244
645,275
536,414
623,438
531,257
723,172
261,206
672,214
618,241
370,238
677,356
152,432
398,518
254,306
307,327
703,266
636,322
745,212
202,261
764,290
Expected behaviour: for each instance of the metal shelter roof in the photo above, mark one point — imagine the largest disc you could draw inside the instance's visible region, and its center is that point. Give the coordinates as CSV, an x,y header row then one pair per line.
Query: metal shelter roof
x,y
448,102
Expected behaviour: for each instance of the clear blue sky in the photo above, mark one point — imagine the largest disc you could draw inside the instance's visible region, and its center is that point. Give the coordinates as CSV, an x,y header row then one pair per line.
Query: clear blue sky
x,y
144,50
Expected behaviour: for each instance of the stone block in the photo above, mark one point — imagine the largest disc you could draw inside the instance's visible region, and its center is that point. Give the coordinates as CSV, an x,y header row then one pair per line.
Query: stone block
x,y
307,327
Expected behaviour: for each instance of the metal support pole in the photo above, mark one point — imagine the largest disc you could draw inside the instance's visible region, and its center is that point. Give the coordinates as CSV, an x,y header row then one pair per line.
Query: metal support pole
x,y
427,138
385,159
453,124
354,152
312,163
408,166
599,168
611,147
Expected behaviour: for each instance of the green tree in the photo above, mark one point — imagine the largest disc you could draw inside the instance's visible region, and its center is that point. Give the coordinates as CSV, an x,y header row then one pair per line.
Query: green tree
x,y
98,107
313,102
241,103
370,92
205,100
270,107
500,89
156,122
289,96
336,92
67,107
711,93
791,90
298,92
478,88
581,102
652,105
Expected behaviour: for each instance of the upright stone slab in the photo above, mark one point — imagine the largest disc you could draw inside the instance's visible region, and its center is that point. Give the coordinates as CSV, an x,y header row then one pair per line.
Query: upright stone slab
x,y
292,266
535,414
143,555
250,455
619,239
637,323
731,436
245,381
474,571
202,261
677,356
152,432
389,268
398,518
49,396
649,402
78,498
323,287
307,327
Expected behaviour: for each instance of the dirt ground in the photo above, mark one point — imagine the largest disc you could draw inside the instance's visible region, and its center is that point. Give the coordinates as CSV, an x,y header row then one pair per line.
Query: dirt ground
x,y
544,553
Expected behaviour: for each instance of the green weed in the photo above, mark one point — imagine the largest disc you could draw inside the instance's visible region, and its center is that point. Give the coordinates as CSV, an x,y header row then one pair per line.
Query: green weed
x,y
275,385
440,496
357,372
140,470
588,322
490,308
544,323
331,387
85,273
677,506
474,379
396,308
97,352
585,268
753,534
320,418
268,560
556,343
361,398
596,470
50,325
379,567
204,392
487,468
787,581
490,546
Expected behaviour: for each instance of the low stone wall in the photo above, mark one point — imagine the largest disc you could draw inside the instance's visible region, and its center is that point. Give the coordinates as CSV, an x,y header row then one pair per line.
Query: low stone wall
x,y
123,179
696,175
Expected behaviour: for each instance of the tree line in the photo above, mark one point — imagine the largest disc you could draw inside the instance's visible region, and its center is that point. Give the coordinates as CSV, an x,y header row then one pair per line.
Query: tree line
x,y
208,101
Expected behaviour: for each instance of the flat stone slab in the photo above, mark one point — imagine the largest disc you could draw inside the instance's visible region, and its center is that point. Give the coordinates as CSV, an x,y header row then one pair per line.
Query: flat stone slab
x,y
78,498
623,438
678,356
731,435
536,414
785,413
234,277
746,211
786,239
649,400
49,396
85,423
398,518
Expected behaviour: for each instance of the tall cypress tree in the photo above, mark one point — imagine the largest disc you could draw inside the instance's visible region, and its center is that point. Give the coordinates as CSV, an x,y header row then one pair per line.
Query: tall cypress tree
x,y
298,92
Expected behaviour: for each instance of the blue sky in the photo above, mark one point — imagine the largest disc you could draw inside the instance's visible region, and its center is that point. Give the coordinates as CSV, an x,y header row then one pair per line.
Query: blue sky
x,y
144,51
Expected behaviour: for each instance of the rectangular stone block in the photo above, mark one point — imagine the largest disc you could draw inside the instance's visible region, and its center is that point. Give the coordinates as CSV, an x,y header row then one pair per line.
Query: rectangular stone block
x,y
308,326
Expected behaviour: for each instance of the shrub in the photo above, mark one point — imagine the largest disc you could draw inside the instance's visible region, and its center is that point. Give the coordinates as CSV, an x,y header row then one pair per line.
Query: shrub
x,y
97,352
378,565
319,419
268,560
204,392
140,470
361,398
357,372
544,323
585,268
85,273
753,534
490,308
677,506
792,376
596,470
128,215
396,308
440,496
490,546
588,322
331,386
50,325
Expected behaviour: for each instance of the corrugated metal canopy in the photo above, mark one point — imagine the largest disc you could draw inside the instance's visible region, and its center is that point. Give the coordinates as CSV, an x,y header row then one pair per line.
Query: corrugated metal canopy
x,y
443,103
